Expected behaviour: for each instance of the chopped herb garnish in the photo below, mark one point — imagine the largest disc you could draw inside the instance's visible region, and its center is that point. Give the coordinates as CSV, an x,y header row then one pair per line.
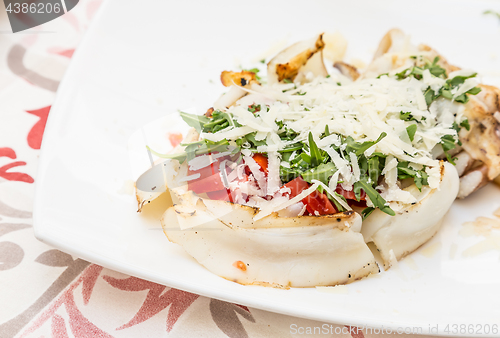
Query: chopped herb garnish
x,y
448,143
256,71
419,176
450,85
411,130
407,116
254,108
465,124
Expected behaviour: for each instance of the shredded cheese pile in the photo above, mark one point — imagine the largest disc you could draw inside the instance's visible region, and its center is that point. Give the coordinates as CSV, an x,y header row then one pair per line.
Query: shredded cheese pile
x,y
361,109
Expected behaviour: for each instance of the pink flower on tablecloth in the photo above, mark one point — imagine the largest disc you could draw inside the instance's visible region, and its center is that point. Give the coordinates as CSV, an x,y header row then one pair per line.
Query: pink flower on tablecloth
x,y
156,300
36,133
80,326
90,276
58,327
13,176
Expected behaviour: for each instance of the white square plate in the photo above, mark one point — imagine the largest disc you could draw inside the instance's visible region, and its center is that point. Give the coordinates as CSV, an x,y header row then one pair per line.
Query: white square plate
x,y
142,60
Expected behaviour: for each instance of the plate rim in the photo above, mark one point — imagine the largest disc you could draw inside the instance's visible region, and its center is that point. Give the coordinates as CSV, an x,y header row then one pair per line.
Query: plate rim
x,y
45,236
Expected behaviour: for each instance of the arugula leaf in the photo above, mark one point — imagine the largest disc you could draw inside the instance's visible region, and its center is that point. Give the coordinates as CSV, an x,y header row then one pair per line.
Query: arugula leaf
x,y
293,147
374,169
322,173
374,196
251,138
459,79
287,134
465,124
407,116
417,72
464,98
474,91
316,158
306,158
366,212
429,96
440,72
181,157
195,121
326,133
448,143
359,148
411,130
446,90
219,121
338,206
435,69
197,148
288,174
419,176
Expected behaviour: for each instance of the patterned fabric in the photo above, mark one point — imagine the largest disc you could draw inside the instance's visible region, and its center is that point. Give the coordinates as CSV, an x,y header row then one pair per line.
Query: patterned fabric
x,y
47,293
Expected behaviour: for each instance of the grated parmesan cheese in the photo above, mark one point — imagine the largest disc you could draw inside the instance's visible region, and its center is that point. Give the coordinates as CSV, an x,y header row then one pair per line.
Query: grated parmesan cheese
x,y
361,109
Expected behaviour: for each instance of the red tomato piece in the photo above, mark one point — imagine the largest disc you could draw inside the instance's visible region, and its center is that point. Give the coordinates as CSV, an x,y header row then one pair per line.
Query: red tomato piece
x,y
261,160
221,195
316,201
349,195
319,202
207,184
296,186
208,170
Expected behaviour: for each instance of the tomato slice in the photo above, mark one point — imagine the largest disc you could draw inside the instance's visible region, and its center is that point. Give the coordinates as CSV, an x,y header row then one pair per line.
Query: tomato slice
x,y
296,186
221,195
261,160
208,170
319,202
207,184
209,179
349,195
315,202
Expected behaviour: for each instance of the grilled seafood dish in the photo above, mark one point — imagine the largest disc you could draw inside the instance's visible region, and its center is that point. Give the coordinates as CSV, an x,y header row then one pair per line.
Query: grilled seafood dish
x,y
288,176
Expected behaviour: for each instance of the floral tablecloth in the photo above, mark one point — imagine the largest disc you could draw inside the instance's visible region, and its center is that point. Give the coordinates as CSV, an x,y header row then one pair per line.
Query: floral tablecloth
x,y
47,293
